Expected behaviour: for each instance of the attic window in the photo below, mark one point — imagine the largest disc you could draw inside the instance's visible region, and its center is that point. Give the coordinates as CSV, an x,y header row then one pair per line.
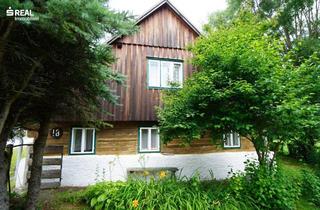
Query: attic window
x,y
164,73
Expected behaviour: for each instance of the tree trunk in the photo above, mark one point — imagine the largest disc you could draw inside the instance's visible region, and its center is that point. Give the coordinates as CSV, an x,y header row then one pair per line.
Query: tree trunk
x,y
36,168
4,112
4,196
4,40
5,108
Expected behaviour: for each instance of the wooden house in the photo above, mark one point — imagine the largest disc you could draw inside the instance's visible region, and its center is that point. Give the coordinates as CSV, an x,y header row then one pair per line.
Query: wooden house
x,y
151,59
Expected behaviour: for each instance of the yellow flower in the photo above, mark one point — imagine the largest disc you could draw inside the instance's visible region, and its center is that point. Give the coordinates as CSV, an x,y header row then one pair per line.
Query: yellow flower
x,y
162,174
135,203
146,173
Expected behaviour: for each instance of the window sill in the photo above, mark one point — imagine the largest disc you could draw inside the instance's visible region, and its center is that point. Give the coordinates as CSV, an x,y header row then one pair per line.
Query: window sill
x,y
163,88
82,153
152,151
235,147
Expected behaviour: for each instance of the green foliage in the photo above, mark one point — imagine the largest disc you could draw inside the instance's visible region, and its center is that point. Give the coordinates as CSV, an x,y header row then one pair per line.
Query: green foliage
x,y
291,19
246,83
311,187
267,189
167,193
304,150
60,59
256,188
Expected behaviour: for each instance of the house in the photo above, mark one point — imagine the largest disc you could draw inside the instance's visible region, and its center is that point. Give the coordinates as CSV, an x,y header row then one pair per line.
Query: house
x,y
151,58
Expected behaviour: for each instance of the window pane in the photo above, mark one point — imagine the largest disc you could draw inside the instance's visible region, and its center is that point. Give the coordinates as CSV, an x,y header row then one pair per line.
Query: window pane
x,y
227,139
144,139
236,140
154,139
89,140
165,73
154,73
176,72
77,135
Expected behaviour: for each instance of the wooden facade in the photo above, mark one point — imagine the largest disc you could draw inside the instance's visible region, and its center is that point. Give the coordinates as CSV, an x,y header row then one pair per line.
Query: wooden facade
x,y
122,139
162,34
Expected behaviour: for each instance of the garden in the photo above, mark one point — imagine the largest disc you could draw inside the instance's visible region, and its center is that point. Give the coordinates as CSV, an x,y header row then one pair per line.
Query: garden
x,y
294,185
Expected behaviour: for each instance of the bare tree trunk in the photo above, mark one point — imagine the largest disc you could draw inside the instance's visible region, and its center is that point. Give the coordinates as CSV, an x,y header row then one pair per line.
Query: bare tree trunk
x,y
36,168
275,153
4,112
287,37
4,40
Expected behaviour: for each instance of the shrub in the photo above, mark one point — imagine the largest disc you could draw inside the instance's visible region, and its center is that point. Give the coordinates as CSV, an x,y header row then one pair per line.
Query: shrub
x,y
305,150
165,193
266,188
311,187
152,194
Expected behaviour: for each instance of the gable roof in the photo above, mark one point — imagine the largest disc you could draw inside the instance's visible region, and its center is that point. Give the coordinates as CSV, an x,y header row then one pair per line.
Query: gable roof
x,y
154,9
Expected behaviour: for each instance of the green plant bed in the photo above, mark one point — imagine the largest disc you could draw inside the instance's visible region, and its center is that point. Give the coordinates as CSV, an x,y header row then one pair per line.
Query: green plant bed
x,y
254,189
165,193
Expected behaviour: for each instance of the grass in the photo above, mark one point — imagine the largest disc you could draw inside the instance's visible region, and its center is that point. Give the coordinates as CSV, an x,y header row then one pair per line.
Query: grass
x,y
61,199
294,168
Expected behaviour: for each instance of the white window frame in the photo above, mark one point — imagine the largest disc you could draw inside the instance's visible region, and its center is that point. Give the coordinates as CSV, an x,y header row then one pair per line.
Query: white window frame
x,y
149,140
231,135
83,140
171,71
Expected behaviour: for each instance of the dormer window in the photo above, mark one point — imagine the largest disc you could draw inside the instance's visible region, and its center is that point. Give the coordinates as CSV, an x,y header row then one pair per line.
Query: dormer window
x,y
164,73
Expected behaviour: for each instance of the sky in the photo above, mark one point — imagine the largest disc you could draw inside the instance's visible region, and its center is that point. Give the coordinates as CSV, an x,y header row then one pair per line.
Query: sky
x,y
196,11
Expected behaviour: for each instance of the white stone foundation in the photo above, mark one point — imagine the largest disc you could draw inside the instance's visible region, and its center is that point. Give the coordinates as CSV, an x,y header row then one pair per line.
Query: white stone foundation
x,y
83,170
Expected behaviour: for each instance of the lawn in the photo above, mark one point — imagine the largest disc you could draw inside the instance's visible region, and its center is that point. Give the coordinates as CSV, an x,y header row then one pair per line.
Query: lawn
x,y
294,168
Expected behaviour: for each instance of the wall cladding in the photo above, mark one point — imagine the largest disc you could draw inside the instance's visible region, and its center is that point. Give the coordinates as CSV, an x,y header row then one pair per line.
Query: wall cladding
x,y
122,138
162,35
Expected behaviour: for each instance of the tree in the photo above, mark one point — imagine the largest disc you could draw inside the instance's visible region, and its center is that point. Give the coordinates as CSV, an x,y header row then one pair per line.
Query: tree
x,y
291,19
244,84
54,66
296,22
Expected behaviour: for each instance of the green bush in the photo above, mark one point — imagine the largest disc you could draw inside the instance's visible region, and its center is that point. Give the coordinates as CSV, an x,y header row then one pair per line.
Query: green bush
x,y
311,187
266,188
166,193
152,194
256,188
305,150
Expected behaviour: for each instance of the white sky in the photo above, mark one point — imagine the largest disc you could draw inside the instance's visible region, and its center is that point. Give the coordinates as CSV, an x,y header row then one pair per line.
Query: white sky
x,y
196,11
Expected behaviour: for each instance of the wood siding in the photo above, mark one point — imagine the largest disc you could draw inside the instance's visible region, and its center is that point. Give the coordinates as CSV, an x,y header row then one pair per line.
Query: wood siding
x,y
123,139
161,35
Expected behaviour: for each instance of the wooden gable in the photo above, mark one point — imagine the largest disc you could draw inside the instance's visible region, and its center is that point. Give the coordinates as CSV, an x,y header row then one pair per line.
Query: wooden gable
x,y
164,28
163,33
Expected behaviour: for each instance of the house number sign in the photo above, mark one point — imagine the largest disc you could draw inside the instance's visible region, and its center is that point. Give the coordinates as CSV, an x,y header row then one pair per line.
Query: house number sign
x,y
56,133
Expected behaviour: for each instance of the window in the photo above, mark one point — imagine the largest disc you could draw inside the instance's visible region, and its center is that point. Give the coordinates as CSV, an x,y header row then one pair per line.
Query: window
x,y
162,73
82,141
149,140
231,140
